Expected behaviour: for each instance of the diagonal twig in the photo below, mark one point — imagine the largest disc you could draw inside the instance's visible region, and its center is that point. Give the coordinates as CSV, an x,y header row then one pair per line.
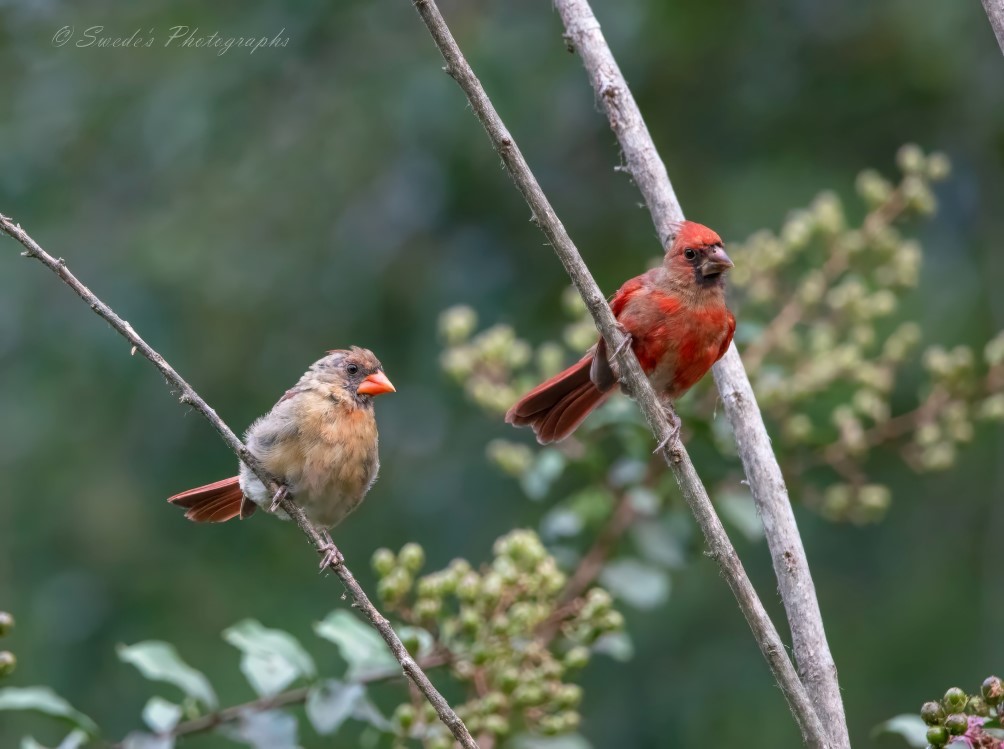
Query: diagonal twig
x,y
189,396
719,545
811,650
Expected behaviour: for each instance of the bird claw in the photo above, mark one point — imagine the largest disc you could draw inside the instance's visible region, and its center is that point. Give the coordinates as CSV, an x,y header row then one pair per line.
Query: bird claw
x,y
332,557
674,430
624,343
280,495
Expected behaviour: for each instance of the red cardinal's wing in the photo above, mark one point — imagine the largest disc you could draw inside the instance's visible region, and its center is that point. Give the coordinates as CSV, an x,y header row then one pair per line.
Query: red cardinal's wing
x,y
728,337
601,373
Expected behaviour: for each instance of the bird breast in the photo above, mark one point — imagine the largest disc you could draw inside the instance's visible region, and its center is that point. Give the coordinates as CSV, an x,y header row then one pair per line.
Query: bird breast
x,y
329,460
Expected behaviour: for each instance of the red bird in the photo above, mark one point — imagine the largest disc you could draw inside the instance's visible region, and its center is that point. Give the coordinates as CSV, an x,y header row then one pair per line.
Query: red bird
x,y
678,324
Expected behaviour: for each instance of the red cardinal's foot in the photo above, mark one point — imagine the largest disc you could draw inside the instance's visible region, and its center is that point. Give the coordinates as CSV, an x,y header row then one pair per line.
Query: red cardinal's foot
x,y
674,429
623,344
280,495
332,557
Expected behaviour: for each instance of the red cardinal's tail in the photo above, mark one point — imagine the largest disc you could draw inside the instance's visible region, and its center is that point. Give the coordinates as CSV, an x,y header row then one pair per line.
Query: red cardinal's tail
x,y
214,503
555,408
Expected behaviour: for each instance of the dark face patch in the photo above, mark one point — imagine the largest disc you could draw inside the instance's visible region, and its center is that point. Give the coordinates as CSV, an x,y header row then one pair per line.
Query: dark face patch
x,y
695,257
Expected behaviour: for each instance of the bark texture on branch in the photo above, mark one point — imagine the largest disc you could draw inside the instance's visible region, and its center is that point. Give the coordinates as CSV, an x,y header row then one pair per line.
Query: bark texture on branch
x,y
995,13
811,650
188,395
633,378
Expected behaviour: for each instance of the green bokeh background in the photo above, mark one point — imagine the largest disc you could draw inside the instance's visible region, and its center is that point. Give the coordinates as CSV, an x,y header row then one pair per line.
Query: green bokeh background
x,y
247,212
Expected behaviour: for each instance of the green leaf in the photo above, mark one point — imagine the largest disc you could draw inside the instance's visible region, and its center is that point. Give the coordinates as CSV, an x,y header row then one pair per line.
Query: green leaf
x,y
268,730
141,740
657,543
272,660
545,471
367,712
627,471
616,645
909,726
617,410
331,703
592,504
561,522
739,510
644,501
44,700
159,661
74,740
566,741
426,642
160,715
636,582
361,647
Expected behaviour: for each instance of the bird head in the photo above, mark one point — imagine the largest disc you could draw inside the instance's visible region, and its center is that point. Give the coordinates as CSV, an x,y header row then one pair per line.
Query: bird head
x,y
353,372
697,252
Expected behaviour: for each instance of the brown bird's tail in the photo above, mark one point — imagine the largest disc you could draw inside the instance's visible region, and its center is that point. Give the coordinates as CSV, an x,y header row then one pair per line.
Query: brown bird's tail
x,y
555,408
214,503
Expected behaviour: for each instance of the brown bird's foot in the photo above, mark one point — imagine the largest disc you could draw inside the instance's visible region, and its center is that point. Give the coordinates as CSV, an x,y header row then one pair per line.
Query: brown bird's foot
x,y
331,556
280,495
674,429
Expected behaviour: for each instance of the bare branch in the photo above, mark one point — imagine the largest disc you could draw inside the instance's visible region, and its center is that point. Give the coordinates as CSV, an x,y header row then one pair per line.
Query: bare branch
x,y
719,545
189,396
290,697
995,12
812,652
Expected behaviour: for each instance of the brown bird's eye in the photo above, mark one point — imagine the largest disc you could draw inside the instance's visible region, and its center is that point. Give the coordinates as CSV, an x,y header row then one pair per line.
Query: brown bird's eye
x,y
352,369
689,254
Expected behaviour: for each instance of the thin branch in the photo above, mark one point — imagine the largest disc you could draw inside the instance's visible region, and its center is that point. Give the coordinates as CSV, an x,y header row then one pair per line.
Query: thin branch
x,y
189,396
995,13
812,652
290,697
719,545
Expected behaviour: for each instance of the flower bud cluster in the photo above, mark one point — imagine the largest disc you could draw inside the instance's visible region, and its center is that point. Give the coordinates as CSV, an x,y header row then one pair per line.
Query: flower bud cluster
x,y
510,637
958,714
494,365
8,662
822,292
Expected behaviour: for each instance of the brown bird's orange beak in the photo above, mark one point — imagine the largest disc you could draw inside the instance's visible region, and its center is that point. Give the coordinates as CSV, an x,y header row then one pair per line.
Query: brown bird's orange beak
x,y
376,384
716,262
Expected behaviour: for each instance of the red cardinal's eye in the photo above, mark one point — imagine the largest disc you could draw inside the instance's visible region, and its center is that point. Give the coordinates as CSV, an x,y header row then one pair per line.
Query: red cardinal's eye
x,y
352,369
689,254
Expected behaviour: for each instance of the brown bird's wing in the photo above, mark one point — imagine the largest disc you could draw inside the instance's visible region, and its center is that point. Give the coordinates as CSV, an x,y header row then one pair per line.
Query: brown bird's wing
x,y
214,503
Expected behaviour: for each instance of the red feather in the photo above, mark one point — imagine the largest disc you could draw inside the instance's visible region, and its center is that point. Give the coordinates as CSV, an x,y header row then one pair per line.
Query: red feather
x,y
214,503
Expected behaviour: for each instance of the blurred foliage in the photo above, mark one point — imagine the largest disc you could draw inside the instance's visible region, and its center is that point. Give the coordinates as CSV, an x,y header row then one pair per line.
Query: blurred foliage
x,y
511,634
247,211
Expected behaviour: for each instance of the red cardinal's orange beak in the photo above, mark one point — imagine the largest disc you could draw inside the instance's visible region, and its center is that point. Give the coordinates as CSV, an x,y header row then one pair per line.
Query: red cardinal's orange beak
x,y
376,384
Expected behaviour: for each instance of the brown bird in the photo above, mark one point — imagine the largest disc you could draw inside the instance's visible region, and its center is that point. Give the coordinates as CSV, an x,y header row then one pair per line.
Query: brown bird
x,y
676,322
319,441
